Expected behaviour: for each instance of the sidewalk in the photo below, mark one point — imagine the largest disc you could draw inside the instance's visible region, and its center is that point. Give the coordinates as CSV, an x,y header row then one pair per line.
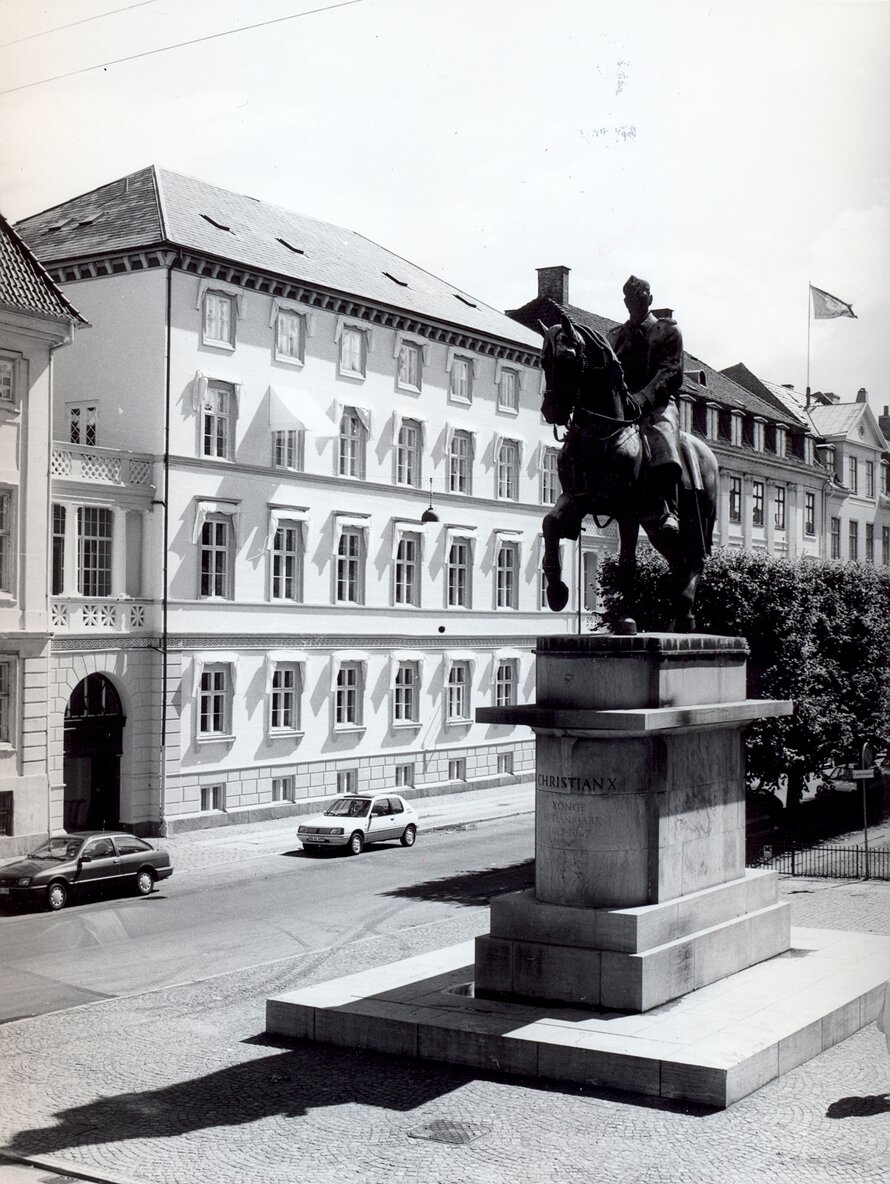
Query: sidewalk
x,y
199,850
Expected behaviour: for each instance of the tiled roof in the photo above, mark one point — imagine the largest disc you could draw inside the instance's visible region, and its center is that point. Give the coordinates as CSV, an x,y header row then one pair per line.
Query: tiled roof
x,y
838,419
24,284
717,387
782,398
155,207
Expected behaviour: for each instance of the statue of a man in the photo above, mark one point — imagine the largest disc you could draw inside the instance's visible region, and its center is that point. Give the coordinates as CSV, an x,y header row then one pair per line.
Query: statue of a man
x,y
650,350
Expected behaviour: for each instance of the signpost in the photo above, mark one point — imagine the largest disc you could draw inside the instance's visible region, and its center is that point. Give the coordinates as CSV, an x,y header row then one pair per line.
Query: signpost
x,y
865,774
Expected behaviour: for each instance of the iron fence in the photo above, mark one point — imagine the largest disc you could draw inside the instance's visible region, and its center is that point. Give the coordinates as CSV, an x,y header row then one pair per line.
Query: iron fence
x,y
838,863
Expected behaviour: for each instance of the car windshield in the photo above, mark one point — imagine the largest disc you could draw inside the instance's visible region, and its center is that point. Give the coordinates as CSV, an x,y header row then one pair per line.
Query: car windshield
x,y
61,847
349,808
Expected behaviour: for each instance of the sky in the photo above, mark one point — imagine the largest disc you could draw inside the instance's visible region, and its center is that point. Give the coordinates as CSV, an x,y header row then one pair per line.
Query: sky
x,y
730,153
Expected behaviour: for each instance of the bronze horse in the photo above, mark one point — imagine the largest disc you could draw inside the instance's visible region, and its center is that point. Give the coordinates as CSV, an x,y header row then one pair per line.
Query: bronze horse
x,y
602,470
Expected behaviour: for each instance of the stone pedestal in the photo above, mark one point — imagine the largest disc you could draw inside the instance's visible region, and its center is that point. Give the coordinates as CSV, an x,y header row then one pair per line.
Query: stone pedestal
x,y
641,893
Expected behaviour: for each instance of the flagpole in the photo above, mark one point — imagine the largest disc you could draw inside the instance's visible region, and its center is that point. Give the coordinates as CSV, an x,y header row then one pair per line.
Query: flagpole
x,y
809,323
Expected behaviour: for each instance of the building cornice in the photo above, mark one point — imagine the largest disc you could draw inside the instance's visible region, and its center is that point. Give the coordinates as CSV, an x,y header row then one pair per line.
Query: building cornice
x,y
283,288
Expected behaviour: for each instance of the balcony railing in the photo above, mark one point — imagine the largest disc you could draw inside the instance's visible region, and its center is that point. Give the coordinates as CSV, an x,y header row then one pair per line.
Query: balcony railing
x,y
102,466
70,615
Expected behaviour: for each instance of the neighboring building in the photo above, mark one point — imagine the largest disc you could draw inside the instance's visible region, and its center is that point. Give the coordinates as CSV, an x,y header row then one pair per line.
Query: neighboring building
x,y
35,319
775,490
297,502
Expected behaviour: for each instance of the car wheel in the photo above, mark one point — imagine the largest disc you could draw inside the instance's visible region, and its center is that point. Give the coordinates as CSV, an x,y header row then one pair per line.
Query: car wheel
x,y
56,895
356,843
145,882
409,837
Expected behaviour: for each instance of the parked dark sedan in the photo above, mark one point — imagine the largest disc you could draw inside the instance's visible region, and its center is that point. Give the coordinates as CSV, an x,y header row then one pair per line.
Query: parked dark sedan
x,y
76,862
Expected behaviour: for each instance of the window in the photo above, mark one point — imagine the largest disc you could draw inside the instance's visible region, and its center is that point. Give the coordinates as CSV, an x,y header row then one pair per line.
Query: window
x,y
852,474
508,470
405,706
287,555
352,351
869,478
287,450
781,441
216,421
779,516
505,684
508,391
7,381
410,366
735,499
283,789
736,421
404,774
459,463
6,547
351,566
457,769
347,781
7,799
289,336
348,696
835,538
214,556
7,683
213,797
458,573
407,583
83,423
213,702
57,559
590,581
809,514
94,540
219,319
550,486
885,545
506,576
461,382
353,438
408,452
854,541
869,542
757,492
505,762
458,691
284,705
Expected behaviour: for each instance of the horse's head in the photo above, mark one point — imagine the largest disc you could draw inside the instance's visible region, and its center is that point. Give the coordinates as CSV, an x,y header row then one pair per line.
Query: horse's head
x,y
579,364
563,361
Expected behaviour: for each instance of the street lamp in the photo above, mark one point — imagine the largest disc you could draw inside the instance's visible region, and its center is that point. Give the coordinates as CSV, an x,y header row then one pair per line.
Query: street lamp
x,y
429,515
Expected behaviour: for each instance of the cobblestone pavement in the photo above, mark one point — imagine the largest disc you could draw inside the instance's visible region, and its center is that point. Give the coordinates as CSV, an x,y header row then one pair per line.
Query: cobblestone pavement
x,y
180,1086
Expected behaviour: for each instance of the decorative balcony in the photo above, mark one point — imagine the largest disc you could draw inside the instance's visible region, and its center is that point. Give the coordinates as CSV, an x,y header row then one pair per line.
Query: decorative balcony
x,y
102,466
70,615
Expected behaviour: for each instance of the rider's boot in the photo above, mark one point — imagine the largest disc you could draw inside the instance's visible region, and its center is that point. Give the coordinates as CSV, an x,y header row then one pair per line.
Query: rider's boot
x,y
668,508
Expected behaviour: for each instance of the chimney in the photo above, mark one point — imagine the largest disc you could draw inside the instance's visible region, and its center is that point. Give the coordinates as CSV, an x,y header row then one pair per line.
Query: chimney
x,y
554,282
787,386
862,395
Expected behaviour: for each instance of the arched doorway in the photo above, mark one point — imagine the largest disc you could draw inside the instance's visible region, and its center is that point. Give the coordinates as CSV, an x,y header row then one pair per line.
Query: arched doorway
x,y
94,738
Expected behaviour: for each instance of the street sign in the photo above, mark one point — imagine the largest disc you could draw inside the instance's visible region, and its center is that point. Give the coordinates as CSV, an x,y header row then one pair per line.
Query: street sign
x,y
862,774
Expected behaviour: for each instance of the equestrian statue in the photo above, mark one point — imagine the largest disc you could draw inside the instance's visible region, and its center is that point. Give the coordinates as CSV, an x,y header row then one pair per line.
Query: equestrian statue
x,y
623,456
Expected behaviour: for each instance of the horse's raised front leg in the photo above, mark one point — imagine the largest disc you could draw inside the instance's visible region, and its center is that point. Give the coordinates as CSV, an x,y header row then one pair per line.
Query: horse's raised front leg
x,y
559,524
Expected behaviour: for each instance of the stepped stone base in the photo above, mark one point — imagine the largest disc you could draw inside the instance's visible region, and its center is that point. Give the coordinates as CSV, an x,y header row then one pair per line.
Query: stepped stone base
x,y
712,1047
631,959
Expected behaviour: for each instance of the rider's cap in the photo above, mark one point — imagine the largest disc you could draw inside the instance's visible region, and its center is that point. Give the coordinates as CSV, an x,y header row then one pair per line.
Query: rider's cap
x,y
635,284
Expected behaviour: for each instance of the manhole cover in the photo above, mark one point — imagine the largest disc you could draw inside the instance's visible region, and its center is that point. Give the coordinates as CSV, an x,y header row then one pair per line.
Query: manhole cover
x,y
445,1130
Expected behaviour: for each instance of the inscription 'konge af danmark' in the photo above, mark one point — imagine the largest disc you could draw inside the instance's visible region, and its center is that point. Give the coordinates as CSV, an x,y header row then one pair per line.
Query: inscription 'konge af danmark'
x,y
551,781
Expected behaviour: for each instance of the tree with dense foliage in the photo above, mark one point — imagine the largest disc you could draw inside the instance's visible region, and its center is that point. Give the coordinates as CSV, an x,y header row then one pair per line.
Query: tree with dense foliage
x,y
818,632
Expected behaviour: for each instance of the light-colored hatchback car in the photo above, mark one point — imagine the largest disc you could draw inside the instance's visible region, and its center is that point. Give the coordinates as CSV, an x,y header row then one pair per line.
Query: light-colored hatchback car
x,y
357,819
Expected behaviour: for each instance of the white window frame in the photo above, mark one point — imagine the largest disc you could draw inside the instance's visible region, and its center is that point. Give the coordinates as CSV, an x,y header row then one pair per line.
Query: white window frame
x,y
457,768
460,466
219,409
870,478
10,380
213,330
290,336
809,514
349,565
551,488
458,691
461,374
285,698
506,574
779,508
508,471
349,693
853,474
505,682
403,775
409,452
758,503
214,547
284,789
409,366
288,448
214,699
8,684
102,570
213,798
352,445
508,390
347,781
281,530
406,694
7,542
459,575
505,763
407,568
83,422
735,496
352,357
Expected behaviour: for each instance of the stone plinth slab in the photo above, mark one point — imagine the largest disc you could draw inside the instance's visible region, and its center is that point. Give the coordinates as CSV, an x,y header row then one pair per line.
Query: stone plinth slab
x,y
712,1047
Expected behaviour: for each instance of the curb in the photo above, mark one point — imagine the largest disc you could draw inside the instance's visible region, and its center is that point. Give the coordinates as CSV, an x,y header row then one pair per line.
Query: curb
x,y
49,1163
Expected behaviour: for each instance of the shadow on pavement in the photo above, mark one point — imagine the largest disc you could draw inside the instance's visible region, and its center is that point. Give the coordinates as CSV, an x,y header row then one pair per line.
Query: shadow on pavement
x,y
471,888
867,1107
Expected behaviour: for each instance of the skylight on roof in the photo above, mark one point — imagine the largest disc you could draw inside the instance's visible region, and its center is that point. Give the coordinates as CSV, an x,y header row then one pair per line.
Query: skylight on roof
x,y
396,280
290,246
464,300
218,225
